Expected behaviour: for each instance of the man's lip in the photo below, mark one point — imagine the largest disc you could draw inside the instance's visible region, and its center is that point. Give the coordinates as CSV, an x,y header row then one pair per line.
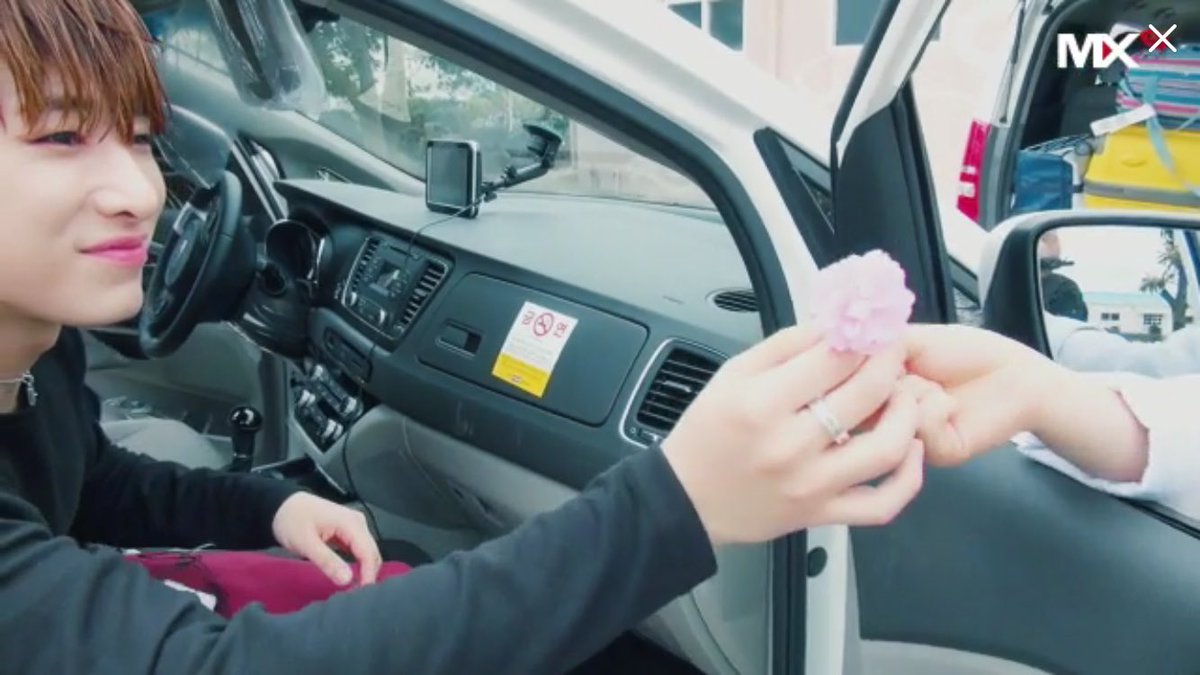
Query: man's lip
x,y
119,244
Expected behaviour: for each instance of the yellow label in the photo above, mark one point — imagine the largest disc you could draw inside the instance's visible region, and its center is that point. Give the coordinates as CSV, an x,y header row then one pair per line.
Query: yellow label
x,y
531,349
521,375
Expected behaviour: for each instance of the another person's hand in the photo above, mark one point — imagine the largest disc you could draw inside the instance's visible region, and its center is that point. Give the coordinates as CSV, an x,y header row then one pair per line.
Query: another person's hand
x,y
308,525
757,463
976,389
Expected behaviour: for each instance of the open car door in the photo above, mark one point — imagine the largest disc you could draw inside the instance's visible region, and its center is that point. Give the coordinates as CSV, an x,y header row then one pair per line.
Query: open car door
x,y
882,188
1001,565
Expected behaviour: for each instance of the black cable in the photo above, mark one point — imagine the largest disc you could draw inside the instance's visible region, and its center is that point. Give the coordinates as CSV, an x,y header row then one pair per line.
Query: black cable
x,y
372,523
416,233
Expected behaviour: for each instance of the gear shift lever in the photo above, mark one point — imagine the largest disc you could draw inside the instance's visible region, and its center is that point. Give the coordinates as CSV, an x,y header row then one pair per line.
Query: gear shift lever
x,y
245,422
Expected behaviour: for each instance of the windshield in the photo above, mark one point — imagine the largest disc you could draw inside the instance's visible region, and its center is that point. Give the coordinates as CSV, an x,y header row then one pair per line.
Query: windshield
x,y
389,97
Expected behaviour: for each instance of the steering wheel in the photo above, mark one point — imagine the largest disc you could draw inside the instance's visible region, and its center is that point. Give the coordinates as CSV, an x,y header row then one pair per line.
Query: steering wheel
x,y
206,263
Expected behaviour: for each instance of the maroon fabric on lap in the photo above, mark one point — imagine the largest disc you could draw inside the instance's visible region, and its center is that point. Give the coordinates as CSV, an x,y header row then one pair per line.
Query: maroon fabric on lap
x,y
237,579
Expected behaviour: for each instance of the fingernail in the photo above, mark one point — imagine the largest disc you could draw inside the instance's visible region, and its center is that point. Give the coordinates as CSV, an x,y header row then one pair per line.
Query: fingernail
x,y
344,576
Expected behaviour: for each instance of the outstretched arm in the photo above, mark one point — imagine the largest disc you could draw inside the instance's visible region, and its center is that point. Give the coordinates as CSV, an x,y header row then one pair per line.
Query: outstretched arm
x,y
621,550
992,388
1170,468
1090,425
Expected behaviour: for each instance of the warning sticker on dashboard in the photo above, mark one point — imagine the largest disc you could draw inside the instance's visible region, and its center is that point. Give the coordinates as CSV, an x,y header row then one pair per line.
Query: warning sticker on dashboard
x,y
532,348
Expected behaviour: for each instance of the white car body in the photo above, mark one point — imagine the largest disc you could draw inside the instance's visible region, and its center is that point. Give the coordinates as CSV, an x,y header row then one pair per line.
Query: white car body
x,y
643,49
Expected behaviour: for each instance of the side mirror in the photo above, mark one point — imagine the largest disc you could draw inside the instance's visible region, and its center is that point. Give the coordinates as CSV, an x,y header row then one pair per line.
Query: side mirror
x,y
1098,290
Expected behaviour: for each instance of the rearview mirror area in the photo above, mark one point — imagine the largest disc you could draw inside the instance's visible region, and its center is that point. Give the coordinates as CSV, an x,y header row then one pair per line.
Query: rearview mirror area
x,y
1100,291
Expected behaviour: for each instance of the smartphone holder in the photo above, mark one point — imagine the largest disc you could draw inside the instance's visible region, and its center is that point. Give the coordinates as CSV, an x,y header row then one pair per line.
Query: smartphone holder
x,y
544,144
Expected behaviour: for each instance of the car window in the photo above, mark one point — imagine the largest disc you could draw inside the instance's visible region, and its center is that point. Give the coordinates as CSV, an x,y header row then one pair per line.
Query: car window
x,y
189,32
390,97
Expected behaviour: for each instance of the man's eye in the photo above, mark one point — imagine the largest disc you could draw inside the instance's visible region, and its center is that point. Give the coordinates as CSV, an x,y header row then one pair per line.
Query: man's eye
x,y
143,139
61,138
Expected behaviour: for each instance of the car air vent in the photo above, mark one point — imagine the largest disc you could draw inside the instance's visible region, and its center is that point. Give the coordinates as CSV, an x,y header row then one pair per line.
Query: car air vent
x,y
431,278
741,300
369,249
677,381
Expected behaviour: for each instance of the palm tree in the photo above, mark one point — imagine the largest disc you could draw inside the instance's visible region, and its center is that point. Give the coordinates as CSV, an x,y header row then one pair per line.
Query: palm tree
x,y
1172,273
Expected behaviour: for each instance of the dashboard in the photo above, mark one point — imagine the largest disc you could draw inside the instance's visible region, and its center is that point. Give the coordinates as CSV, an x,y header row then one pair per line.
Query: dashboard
x,y
557,333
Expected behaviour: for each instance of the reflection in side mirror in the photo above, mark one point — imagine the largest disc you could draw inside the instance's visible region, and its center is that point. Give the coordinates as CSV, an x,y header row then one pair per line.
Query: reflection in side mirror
x,y
1099,291
1138,283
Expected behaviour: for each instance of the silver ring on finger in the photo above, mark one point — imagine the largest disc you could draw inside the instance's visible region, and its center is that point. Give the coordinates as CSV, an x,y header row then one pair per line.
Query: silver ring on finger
x,y
833,426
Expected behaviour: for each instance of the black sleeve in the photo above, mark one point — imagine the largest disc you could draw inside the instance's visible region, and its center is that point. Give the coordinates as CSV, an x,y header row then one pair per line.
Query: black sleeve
x,y
539,600
132,500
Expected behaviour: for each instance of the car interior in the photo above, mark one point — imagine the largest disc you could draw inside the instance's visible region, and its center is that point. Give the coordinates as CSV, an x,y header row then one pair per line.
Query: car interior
x,y
357,340
367,343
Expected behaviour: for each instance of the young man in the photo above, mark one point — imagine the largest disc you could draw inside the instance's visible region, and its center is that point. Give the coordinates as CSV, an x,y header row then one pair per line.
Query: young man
x,y
79,101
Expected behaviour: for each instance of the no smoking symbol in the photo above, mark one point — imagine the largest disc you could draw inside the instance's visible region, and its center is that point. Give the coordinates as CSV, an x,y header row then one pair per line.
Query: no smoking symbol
x,y
544,323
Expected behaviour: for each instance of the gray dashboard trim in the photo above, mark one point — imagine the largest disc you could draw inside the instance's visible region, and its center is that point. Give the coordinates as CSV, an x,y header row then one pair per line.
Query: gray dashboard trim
x,y
353,269
881,657
645,375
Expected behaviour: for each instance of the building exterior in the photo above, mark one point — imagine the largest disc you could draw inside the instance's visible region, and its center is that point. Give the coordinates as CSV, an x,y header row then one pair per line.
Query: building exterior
x,y
1136,315
813,45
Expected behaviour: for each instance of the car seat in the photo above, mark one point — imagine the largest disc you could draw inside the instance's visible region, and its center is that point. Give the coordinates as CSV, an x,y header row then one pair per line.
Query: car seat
x,y
165,439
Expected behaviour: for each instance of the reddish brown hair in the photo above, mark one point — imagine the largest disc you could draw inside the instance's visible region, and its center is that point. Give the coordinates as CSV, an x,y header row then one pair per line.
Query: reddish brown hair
x,y
98,50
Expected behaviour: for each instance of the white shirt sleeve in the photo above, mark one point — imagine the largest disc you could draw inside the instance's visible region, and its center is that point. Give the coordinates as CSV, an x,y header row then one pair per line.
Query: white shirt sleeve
x,y
1060,330
1080,346
1168,410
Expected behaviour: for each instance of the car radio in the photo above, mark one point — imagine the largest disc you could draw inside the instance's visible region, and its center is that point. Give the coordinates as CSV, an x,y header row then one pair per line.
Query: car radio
x,y
322,406
389,285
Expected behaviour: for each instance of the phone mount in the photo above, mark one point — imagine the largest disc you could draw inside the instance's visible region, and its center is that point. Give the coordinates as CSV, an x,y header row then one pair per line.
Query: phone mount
x,y
543,144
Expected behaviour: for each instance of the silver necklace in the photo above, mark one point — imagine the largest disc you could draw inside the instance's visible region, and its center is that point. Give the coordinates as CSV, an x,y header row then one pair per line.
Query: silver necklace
x,y
25,381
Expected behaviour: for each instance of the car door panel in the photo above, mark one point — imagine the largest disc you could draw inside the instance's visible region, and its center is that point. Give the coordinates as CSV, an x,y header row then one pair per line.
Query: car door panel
x,y
901,658
878,175
1009,558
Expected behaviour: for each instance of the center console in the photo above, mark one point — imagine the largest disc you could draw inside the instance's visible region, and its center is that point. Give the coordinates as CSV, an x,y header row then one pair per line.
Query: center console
x,y
388,287
390,283
322,406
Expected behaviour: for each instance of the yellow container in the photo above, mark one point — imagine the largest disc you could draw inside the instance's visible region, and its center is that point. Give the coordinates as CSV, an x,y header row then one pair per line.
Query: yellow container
x,y
1126,172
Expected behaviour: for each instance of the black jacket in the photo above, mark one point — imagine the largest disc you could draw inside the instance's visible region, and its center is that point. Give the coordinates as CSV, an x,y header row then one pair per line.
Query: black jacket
x,y
536,601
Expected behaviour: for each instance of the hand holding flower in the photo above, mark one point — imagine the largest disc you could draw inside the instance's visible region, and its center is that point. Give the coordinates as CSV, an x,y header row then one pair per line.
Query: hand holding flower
x,y
861,303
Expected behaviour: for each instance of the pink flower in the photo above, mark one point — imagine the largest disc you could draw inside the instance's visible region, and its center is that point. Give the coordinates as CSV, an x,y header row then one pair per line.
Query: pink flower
x,y
861,303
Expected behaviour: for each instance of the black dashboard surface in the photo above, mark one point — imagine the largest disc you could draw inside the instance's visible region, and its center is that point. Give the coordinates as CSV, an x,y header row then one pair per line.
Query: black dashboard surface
x,y
639,279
